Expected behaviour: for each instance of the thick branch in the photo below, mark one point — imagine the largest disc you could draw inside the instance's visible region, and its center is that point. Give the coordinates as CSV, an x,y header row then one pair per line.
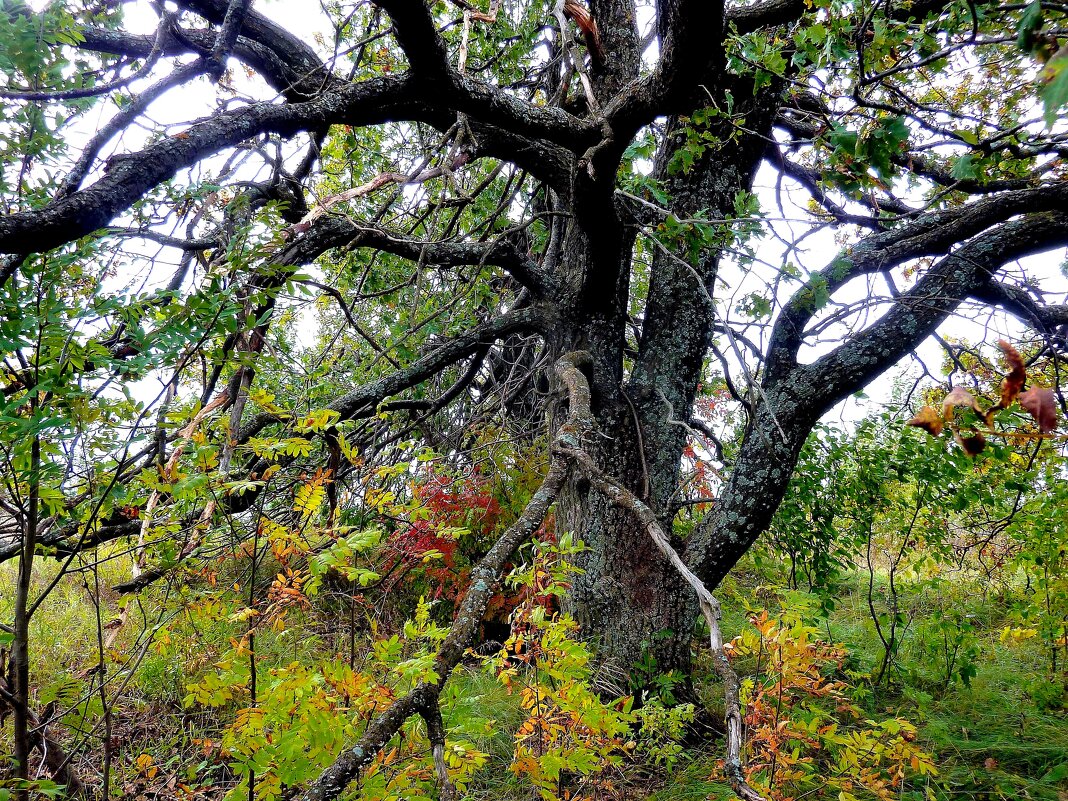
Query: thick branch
x,y
931,234
766,14
131,176
331,232
292,66
295,77
64,541
918,312
413,23
791,400
362,402
438,83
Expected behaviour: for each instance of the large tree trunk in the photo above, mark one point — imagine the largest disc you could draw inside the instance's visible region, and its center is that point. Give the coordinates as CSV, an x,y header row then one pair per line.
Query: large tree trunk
x,y
628,599
625,595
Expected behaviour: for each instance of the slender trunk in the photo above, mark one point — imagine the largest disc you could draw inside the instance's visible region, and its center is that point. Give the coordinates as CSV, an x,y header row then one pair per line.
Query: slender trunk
x,y
20,647
102,684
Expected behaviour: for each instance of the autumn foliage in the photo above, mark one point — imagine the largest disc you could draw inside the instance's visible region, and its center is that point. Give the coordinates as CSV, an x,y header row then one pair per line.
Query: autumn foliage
x,y
1038,401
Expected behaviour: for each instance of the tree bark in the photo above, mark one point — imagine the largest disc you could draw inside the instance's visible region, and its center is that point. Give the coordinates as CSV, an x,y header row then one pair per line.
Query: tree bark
x,y
627,597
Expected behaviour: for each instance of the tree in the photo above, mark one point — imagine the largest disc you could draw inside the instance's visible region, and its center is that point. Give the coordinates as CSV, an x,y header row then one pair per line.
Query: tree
x,y
482,194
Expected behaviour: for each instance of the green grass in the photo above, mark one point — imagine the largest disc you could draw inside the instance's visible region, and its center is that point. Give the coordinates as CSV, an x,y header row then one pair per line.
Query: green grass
x,y
690,781
1002,735
63,631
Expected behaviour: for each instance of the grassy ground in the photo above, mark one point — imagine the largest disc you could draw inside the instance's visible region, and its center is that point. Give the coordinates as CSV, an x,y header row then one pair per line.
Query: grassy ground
x,y
1001,734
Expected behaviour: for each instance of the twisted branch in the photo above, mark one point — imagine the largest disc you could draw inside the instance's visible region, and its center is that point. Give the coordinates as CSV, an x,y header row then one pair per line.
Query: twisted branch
x,y
423,700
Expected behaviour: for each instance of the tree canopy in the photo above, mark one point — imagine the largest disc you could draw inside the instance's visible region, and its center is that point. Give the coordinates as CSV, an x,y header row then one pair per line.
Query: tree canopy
x,y
282,284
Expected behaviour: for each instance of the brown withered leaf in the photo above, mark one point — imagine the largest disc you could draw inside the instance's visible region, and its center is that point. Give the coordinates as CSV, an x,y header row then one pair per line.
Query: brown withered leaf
x,y
1041,404
1014,381
973,445
929,420
958,396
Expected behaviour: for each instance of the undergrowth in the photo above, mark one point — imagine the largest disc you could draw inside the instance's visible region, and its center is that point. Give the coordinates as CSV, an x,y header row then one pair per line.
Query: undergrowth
x,y
998,730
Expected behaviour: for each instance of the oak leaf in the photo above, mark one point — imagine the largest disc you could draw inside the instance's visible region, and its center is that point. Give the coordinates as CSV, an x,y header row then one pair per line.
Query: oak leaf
x,y
1014,381
929,420
1041,404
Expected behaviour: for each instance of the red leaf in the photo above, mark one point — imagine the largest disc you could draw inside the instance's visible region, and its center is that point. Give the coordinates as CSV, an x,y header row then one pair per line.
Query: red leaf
x,y
1041,404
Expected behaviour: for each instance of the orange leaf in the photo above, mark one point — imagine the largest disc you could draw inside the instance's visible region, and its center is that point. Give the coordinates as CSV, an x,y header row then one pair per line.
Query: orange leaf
x,y
928,420
1014,381
1041,404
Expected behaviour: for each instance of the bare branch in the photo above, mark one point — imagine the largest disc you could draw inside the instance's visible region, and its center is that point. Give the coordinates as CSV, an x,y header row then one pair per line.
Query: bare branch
x,y
1023,305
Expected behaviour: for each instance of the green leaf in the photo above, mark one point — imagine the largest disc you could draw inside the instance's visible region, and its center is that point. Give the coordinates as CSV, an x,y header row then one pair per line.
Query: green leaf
x,y
1030,22
964,168
1054,90
1056,774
